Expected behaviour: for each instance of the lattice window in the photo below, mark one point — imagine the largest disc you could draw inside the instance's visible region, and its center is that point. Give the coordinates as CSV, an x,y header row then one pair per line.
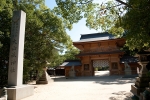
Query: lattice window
x,y
100,63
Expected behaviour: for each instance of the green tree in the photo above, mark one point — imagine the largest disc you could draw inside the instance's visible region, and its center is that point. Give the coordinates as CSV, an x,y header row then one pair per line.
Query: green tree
x,y
45,33
129,19
6,8
71,53
56,60
74,10
136,22
98,16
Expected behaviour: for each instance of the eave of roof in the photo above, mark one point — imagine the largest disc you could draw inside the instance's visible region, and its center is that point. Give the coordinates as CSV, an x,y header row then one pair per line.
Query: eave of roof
x,y
96,40
113,52
129,59
71,63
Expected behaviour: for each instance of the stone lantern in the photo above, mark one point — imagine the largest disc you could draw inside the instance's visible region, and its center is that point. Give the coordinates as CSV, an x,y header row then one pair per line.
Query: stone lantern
x,y
72,72
143,80
44,78
144,60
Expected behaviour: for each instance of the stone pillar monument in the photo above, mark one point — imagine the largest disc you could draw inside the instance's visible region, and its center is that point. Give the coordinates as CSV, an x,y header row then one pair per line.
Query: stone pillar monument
x,y
15,72
44,78
16,89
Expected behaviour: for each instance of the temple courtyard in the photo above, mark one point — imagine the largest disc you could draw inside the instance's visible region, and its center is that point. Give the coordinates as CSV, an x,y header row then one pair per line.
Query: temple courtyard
x,y
98,87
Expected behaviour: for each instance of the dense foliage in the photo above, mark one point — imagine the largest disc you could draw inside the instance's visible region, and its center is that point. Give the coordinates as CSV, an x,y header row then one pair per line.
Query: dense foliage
x,y
5,26
71,53
74,10
136,22
45,35
129,18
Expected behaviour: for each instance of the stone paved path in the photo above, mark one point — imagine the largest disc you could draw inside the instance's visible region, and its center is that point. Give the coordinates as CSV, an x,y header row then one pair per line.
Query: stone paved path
x,y
100,87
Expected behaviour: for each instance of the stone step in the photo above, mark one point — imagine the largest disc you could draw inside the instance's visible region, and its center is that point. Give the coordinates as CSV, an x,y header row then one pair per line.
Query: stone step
x,y
143,79
136,91
141,96
41,82
43,74
141,84
42,78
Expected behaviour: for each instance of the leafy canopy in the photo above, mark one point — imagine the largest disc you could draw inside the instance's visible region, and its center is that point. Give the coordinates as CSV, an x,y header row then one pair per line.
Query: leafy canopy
x,y
45,34
136,22
129,19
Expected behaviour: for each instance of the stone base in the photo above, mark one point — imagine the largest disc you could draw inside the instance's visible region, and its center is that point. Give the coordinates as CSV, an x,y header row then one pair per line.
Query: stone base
x,y
141,85
143,79
72,74
43,79
136,91
41,82
141,96
143,75
128,71
20,92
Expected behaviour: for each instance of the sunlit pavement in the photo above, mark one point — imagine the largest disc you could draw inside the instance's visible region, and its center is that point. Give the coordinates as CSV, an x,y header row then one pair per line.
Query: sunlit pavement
x,y
101,73
100,87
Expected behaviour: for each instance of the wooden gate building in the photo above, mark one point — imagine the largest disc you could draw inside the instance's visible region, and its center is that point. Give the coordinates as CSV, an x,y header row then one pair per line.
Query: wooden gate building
x,y
101,50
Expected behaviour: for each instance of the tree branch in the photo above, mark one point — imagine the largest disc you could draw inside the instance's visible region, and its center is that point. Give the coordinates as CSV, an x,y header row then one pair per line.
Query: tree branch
x,y
111,7
124,3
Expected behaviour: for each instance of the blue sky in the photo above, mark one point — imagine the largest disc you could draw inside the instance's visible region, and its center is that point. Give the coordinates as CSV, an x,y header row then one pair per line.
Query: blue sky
x,y
78,28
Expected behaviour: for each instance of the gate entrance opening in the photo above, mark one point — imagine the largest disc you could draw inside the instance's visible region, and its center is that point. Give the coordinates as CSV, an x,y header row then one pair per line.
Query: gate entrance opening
x,y
100,65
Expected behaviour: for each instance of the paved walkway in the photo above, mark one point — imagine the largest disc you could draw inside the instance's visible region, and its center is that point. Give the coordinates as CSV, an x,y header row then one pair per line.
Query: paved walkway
x,y
100,87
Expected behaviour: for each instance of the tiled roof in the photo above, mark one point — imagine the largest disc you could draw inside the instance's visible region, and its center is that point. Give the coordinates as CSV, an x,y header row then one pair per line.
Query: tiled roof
x,y
71,63
129,59
95,37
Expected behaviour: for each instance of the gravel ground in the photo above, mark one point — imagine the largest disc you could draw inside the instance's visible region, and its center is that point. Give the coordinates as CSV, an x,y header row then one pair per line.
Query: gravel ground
x,y
100,87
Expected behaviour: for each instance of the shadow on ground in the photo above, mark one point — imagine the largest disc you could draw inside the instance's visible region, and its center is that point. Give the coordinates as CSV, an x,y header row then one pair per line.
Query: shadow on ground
x,y
104,80
119,95
101,77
